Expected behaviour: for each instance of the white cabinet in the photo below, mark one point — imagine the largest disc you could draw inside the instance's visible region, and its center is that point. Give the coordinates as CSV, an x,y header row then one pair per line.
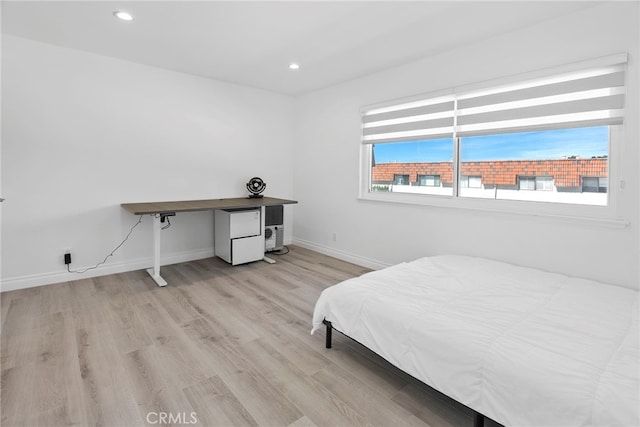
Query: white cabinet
x,y
238,235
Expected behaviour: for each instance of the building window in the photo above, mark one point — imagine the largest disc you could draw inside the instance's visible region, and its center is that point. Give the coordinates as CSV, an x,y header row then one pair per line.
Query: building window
x,y
544,183
540,135
429,180
467,181
536,183
527,183
595,184
399,179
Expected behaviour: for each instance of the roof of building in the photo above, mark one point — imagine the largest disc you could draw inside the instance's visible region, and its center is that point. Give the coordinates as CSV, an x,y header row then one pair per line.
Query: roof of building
x,y
565,172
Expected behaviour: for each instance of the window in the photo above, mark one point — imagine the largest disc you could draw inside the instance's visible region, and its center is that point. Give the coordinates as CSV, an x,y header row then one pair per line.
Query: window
x,y
527,183
595,184
540,183
400,179
467,181
429,180
542,139
544,183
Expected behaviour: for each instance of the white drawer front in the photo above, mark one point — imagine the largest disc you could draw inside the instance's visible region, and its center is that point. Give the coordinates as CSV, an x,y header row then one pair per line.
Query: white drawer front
x,y
244,223
247,249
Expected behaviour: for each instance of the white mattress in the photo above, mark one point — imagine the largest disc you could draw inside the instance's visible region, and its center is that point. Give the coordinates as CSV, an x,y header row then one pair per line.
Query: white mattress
x,y
519,345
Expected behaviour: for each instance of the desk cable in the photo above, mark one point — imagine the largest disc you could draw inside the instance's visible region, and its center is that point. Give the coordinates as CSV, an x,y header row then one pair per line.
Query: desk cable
x,y
163,218
111,253
280,252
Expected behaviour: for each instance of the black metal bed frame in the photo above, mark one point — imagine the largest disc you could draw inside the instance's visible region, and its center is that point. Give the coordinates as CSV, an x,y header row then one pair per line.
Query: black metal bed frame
x,y
478,418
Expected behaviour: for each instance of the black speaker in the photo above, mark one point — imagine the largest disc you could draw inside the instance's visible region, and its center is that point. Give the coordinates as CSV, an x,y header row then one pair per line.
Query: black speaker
x,y
274,215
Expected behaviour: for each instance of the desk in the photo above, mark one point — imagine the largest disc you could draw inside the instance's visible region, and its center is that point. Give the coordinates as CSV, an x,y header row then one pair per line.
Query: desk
x,y
160,209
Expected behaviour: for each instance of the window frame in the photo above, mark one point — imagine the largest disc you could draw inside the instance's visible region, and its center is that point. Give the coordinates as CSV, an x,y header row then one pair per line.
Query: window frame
x,y
604,215
607,216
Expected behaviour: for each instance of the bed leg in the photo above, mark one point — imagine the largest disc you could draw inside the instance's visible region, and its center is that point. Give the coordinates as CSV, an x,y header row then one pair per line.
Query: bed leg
x,y
329,329
478,420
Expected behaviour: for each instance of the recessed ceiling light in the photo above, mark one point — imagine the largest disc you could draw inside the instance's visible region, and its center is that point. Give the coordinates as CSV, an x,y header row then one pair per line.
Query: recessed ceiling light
x,y
125,16
294,66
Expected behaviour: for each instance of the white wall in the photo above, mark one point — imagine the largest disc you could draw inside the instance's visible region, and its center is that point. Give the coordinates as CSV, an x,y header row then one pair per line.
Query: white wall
x,y
373,233
82,133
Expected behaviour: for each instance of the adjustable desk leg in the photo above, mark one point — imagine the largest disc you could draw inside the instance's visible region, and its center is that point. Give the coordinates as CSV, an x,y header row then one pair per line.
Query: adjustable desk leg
x,y
155,271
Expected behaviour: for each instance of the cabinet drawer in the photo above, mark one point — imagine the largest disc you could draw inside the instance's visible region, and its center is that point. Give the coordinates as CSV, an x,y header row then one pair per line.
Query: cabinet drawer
x,y
244,223
247,249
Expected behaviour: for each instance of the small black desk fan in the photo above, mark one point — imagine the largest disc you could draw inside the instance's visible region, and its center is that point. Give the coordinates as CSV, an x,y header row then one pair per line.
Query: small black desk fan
x,y
256,186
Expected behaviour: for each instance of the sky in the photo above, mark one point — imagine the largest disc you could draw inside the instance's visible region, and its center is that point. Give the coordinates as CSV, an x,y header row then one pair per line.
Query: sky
x,y
548,144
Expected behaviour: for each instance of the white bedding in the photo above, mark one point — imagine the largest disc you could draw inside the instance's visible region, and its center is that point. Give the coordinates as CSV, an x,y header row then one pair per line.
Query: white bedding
x,y
519,345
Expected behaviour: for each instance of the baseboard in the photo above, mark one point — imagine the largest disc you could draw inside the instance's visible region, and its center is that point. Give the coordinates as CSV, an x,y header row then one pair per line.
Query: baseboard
x,y
33,280
30,281
345,256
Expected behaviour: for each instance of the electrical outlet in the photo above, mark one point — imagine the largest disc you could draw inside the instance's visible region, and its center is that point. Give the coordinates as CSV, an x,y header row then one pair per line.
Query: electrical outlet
x,y
66,255
334,236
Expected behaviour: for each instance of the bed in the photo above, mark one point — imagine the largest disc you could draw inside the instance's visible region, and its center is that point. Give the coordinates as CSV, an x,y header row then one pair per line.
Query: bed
x,y
521,346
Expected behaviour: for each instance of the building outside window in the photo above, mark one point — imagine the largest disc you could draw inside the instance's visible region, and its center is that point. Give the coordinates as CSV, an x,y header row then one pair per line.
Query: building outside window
x,y
427,164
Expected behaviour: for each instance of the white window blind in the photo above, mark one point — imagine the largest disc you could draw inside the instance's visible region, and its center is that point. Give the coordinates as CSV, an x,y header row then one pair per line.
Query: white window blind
x,y
417,120
587,98
590,96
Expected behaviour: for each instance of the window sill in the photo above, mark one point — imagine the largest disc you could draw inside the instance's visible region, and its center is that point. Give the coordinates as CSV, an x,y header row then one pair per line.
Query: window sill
x,y
587,215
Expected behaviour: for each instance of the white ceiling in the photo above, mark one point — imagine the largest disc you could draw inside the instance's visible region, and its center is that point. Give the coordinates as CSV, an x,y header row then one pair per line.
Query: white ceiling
x,y
252,43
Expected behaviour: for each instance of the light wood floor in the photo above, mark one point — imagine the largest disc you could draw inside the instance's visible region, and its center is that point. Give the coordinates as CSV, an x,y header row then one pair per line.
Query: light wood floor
x,y
229,344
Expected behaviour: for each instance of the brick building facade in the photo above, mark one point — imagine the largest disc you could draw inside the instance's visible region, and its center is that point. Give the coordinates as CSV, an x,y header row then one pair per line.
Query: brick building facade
x,y
567,174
